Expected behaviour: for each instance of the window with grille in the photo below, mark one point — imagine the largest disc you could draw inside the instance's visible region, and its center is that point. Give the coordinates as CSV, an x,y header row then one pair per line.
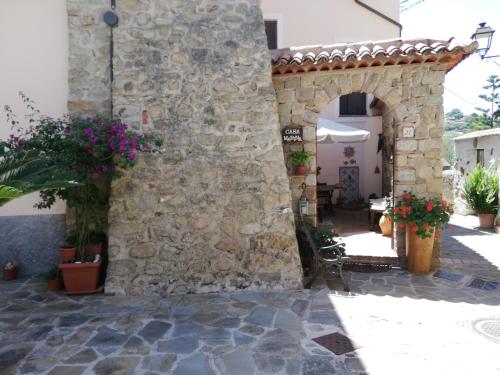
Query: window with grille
x,y
353,104
272,34
480,156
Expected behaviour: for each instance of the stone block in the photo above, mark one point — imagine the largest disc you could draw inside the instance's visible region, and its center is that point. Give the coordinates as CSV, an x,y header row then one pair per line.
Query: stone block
x,y
436,132
309,133
305,94
310,180
433,77
229,244
430,144
405,175
285,96
143,250
406,145
311,117
357,81
307,80
298,109
292,82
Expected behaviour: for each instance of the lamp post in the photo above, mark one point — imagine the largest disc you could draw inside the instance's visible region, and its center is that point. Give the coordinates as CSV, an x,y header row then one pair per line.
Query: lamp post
x,y
483,36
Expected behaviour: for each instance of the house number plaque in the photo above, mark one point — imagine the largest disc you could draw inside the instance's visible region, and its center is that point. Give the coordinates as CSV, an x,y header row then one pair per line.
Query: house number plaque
x,y
292,134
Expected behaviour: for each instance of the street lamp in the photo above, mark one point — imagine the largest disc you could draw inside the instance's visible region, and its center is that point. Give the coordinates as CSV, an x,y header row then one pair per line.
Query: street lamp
x,y
483,36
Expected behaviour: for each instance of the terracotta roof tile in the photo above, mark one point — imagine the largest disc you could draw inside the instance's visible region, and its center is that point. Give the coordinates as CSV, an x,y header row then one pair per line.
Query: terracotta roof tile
x,y
366,54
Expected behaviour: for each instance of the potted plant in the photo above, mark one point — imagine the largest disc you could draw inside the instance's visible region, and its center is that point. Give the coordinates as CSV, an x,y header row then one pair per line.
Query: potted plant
x,y
481,189
92,152
102,149
299,160
53,279
10,271
422,218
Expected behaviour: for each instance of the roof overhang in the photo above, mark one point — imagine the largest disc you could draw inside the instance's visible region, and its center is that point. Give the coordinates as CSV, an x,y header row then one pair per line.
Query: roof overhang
x,y
478,134
369,54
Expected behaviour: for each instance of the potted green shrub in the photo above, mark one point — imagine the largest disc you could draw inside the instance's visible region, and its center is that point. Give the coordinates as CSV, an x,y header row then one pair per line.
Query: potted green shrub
x,y
481,189
299,160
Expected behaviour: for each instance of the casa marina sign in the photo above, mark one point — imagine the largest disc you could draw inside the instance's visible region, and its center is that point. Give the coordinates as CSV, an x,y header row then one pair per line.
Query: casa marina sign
x,y
292,134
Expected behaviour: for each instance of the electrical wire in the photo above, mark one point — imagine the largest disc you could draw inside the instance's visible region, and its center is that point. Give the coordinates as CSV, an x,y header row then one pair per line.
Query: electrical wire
x,y
461,98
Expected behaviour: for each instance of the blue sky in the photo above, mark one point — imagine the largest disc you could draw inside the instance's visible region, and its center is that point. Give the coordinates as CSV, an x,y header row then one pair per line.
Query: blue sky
x,y
442,19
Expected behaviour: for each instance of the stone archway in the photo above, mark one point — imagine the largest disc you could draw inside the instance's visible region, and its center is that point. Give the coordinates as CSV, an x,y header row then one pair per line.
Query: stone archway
x,y
413,99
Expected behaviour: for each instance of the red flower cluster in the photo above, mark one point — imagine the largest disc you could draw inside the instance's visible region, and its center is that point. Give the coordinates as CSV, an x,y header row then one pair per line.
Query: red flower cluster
x,y
420,215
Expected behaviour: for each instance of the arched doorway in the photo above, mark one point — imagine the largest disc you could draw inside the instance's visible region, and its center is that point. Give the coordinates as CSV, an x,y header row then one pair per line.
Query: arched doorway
x,y
407,76
353,158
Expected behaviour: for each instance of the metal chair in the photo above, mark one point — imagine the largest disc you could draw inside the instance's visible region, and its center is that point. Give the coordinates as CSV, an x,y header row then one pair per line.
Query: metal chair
x,y
328,260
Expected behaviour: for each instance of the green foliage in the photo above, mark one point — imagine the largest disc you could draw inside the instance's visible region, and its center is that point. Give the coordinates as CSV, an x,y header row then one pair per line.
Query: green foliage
x,y
492,97
481,190
54,273
300,158
87,152
421,214
211,121
454,115
24,174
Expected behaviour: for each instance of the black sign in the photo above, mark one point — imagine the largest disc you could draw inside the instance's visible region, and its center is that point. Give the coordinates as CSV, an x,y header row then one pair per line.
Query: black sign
x,y
292,134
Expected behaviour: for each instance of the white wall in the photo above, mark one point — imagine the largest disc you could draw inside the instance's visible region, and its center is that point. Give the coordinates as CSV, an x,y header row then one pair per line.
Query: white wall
x,y
330,21
34,59
331,156
466,155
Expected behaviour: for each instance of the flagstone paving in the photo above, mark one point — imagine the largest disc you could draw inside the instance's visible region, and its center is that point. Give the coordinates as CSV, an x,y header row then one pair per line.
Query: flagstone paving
x,y
444,323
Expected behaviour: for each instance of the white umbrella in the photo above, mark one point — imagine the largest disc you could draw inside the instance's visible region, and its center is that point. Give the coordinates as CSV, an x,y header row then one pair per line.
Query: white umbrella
x,y
332,132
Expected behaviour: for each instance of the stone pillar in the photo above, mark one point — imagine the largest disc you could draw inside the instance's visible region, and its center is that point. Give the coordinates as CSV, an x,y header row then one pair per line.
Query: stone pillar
x,y
214,211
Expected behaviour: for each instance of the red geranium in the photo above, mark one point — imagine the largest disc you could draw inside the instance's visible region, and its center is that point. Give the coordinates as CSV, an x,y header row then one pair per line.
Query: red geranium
x,y
406,196
420,214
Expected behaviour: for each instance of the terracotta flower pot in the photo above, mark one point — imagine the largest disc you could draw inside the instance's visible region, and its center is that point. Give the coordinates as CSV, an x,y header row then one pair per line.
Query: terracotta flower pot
x,y
419,252
80,278
10,274
67,252
53,284
94,248
301,171
385,223
486,220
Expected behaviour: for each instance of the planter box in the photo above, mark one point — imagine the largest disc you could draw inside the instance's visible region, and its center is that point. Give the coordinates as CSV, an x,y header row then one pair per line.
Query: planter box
x,y
80,278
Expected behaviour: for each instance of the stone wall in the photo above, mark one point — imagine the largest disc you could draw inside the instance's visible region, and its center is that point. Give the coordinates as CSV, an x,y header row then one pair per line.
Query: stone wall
x,y
413,98
214,211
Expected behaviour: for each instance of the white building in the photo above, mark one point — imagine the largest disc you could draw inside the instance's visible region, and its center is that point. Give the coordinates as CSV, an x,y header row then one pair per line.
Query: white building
x,y
479,147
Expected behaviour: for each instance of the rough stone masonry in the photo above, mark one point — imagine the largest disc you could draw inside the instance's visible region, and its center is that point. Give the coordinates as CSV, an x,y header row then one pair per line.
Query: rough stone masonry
x,y
214,211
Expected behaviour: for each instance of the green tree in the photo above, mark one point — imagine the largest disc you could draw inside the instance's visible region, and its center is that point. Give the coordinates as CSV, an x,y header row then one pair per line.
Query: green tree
x,y
476,121
492,97
455,115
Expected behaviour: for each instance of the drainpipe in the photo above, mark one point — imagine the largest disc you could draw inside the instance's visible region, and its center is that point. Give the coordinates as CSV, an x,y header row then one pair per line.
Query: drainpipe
x,y
375,11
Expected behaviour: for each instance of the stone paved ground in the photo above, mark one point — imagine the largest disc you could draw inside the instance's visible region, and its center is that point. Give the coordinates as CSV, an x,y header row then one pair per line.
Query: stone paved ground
x,y
403,324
